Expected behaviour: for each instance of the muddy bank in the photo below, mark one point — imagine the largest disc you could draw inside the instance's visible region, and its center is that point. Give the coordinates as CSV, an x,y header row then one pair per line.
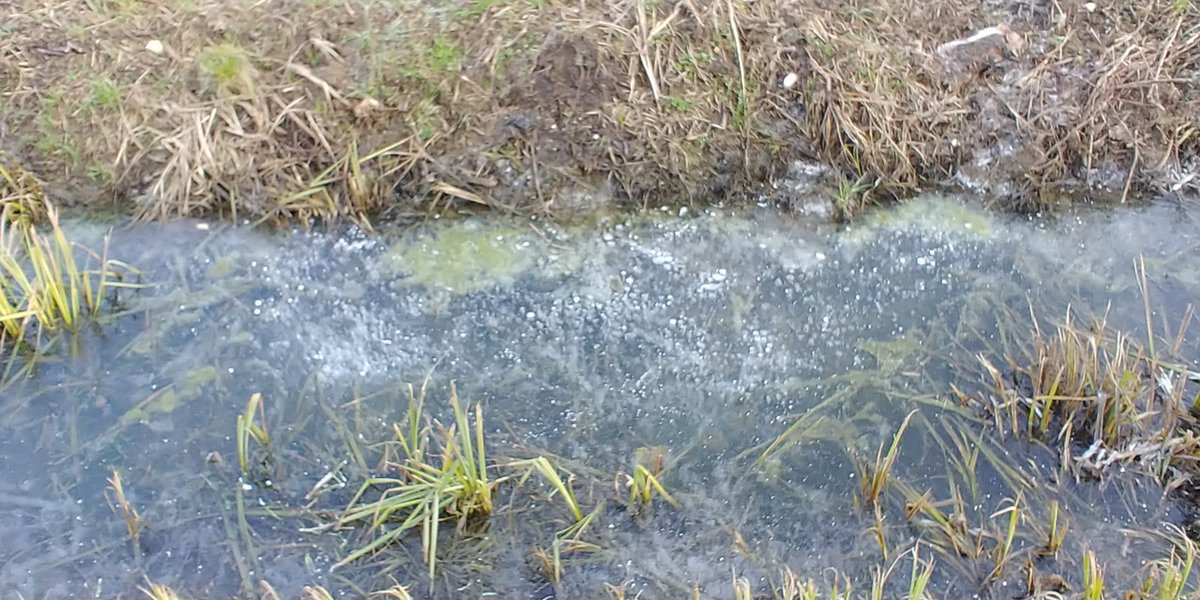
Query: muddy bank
x,y
315,109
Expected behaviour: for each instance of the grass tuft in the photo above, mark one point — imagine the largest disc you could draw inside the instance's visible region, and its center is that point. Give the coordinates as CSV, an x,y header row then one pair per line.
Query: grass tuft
x,y
1097,389
229,68
643,484
447,480
43,287
105,95
1169,578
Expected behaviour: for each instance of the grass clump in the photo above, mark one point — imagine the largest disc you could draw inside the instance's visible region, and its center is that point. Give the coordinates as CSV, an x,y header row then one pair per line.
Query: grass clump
x,y
644,486
1169,578
443,475
436,474
44,288
229,67
643,483
1099,390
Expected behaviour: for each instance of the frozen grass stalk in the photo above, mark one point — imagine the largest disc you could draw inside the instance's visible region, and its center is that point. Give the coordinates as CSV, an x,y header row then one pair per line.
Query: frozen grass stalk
x,y
120,504
1093,577
874,480
248,429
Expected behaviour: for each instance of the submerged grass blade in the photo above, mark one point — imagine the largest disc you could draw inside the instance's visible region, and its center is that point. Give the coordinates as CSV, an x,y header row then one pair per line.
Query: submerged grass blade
x,y
1093,577
544,469
799,428
918,581
120,503
1004,551
875,480
247,429
1057,530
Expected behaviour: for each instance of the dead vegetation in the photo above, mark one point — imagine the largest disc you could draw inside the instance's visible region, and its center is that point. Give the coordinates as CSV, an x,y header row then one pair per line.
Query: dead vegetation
x,y
1050,101
1103,398
1107,401
303,109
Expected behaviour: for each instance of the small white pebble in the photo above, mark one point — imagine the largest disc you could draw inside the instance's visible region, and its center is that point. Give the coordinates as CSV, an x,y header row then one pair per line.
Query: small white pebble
x,y
790,81
154,46
1089,6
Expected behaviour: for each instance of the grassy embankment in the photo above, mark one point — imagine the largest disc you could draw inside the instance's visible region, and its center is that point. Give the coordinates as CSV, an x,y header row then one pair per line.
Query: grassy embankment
x,y
297,109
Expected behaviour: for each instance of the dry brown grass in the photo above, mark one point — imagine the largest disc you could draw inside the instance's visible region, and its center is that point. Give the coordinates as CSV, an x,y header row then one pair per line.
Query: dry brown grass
x,y
21,195
1138,113
1077,101
344,110
877,111
302,109
1106,400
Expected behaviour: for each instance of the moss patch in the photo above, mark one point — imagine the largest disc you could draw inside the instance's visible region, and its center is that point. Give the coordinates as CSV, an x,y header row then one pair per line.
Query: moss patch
x,y
462,258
